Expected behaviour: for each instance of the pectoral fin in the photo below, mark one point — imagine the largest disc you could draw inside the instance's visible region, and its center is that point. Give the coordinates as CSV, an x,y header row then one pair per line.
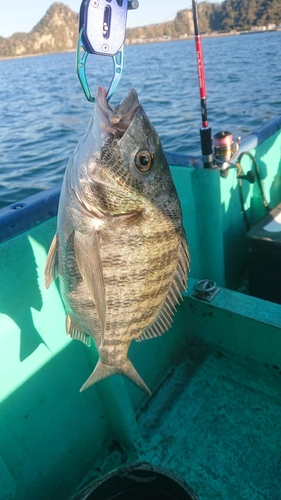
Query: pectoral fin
x,y
90,267
51,267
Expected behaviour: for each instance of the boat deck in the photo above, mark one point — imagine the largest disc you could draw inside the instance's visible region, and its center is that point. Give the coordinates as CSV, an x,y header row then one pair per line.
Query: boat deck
x,y
216,423
214,417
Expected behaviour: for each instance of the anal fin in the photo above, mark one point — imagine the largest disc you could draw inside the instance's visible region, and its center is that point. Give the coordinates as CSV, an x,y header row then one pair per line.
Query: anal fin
x,y
75,332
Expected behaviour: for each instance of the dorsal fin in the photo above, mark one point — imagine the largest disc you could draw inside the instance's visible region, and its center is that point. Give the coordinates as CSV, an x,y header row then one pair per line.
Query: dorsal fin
x,y
164,319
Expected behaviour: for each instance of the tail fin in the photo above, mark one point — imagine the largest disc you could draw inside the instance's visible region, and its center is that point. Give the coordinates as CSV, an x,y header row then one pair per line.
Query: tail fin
x,y
102,371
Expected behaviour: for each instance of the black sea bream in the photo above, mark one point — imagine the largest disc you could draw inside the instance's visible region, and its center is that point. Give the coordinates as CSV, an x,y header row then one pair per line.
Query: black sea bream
x,y
120,249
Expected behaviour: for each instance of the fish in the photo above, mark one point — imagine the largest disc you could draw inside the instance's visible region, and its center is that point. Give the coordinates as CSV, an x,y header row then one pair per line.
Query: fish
x,y
120,249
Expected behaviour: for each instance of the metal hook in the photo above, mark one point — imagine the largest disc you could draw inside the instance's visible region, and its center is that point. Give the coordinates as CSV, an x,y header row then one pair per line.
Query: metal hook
x,y
117,73
82,55
102,30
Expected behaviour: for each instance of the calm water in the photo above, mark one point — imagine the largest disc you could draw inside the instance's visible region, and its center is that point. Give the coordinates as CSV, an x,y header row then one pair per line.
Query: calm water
x,y
43,111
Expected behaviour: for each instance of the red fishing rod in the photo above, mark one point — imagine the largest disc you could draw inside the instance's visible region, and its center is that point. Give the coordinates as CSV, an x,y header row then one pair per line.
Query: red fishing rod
x,y
205,131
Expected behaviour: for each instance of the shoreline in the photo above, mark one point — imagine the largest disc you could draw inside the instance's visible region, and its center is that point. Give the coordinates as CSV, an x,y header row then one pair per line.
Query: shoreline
x,y
23,56
140,41
146,41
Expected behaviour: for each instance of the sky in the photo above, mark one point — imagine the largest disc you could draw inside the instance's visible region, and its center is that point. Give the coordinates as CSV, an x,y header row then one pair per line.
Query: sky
x,y
22,15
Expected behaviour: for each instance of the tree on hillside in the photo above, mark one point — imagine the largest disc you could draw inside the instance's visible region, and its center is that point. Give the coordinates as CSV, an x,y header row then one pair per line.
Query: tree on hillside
x,y
57,30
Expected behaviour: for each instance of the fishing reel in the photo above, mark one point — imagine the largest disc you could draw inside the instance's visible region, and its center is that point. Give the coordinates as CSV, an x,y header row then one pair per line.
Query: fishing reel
x,y
226,156
225,150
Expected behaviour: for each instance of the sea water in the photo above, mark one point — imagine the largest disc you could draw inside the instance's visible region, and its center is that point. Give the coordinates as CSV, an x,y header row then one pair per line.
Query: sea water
x,y
43,111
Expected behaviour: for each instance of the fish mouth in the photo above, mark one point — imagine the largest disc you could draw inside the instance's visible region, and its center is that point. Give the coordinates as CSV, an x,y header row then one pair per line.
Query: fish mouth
x,y
114,120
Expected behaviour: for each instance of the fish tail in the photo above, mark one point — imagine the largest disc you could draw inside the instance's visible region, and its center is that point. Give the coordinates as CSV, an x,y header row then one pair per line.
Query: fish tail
x,y
102,371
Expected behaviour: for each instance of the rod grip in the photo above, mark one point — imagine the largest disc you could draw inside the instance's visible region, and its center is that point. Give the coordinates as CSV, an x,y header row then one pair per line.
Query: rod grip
x,y
207,147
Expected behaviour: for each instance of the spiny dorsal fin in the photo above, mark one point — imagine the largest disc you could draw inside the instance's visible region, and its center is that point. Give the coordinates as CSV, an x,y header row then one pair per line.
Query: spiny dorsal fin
x,y
164,320
185,257
159,326
76,332
51,267
90,266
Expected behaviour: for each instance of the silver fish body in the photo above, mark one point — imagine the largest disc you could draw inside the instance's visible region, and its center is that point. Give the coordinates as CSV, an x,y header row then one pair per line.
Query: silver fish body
x,y
120,249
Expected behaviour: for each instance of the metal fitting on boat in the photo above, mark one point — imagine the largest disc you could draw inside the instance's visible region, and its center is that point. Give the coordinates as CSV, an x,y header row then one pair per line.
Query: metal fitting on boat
x,y
205,290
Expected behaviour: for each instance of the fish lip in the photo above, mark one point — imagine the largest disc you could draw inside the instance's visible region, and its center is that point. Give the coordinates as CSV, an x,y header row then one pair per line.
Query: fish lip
x,y
114,120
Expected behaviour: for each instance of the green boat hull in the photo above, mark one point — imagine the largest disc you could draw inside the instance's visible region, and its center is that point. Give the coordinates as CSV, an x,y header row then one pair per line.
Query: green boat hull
x,y
214,417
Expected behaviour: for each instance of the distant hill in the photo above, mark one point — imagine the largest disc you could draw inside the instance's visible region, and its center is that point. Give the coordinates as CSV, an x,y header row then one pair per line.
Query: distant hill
x,y
242,15
56,32
181,26
238,15
58,29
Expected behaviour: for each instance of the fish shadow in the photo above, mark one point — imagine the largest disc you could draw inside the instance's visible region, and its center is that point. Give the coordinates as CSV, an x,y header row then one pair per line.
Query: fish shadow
x,y
19,292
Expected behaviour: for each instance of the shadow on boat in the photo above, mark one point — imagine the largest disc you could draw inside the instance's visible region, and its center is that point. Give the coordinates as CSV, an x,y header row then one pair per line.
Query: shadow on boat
x,y
17,302
62,427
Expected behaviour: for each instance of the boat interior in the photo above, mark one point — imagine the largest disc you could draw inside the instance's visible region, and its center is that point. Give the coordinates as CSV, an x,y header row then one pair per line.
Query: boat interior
x,y
215,411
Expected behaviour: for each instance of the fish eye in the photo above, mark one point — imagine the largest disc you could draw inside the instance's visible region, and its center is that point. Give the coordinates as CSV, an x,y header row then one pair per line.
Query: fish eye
x,y
143,161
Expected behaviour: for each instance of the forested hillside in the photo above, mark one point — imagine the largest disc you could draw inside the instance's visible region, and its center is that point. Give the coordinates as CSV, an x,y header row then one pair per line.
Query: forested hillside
x,y
238,15
56,32
58,29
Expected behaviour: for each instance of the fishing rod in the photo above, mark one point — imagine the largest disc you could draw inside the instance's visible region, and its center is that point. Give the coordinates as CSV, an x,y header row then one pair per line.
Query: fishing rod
x,y
205,130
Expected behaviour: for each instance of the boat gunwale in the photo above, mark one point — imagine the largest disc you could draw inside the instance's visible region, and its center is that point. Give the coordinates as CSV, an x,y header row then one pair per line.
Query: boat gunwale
x,y
40,207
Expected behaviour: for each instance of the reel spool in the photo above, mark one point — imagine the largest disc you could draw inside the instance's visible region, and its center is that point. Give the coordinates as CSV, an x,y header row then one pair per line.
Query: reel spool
x,y
225,149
